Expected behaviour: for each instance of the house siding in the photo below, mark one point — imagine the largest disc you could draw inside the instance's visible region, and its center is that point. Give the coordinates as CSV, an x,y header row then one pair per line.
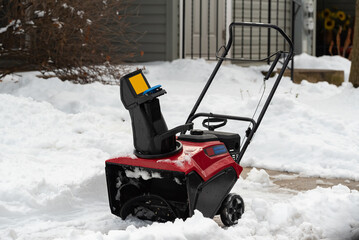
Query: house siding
x,y
156,25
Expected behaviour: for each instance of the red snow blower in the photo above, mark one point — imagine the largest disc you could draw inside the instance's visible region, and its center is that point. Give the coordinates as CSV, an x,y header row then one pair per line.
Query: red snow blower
x,y
171,175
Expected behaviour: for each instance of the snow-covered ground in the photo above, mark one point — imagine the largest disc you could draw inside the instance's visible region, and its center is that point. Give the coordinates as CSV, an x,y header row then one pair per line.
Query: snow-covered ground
x,y
55,137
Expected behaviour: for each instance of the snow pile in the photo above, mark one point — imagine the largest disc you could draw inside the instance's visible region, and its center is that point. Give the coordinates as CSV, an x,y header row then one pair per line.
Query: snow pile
x,y
55,137
324,62
259,176
316,214
145,175
311,215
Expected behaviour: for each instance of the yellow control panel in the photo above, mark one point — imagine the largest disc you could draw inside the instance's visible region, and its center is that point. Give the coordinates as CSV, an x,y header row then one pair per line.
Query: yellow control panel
x,y
138,83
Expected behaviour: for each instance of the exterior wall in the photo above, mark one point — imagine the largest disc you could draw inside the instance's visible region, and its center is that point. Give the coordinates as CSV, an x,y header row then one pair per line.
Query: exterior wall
x,y
158,29
159,23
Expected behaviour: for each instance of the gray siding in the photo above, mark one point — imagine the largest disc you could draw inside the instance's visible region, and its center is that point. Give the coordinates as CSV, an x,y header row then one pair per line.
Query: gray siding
x,y
157,27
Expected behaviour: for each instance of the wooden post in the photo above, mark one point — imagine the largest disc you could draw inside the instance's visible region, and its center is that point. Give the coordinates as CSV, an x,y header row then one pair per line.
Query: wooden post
x,y
354,70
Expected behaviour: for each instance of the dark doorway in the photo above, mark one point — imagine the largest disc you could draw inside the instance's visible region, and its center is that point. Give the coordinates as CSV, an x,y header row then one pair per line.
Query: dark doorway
x,y
334,27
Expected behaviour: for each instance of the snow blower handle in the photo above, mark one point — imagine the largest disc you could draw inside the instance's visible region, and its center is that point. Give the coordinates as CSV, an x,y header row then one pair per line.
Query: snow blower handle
x,y
220,123
260,25
226,50
221,58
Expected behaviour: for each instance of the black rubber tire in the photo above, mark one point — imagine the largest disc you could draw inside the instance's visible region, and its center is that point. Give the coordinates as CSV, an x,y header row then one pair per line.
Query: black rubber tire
x,y
232,209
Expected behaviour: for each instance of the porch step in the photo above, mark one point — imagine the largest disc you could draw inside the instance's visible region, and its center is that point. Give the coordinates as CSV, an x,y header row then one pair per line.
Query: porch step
x,y
335,77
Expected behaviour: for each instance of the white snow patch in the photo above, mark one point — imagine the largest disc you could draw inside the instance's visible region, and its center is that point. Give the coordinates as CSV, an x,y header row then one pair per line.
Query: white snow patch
x,y
177,181
139,173
259,176
13,23
40,13
80,13
285,176
321,182
324,62
183,159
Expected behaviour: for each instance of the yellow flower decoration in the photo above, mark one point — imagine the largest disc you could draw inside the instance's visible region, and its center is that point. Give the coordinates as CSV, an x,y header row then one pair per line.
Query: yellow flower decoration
x,y
326,13
321,14
347,22
341,15
329,24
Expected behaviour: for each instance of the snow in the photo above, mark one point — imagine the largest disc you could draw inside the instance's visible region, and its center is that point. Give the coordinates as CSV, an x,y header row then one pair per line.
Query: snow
x,y
324,62
138,173
40,13
183,159
259,176
55,137
13,23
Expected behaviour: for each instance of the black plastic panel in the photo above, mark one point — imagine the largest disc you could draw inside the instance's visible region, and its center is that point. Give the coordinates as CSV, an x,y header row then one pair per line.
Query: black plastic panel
x,y
123,184
197,138
207,196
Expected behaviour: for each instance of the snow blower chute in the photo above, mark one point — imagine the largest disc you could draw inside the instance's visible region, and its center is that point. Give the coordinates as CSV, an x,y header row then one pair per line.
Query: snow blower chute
x,y
171,175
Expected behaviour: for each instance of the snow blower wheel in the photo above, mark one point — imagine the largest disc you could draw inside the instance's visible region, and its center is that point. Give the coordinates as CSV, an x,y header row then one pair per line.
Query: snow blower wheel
x,y
232,209
174,172
148,207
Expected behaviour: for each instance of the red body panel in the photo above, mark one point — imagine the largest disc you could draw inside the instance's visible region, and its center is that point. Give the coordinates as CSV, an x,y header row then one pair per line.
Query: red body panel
x,y
191,158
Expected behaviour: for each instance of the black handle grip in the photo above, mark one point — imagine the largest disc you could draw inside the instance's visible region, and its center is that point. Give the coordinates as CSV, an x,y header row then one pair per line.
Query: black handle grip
x,y
221,122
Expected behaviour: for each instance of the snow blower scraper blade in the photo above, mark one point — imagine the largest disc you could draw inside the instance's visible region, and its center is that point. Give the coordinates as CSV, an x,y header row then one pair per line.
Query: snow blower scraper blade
x,y
178,170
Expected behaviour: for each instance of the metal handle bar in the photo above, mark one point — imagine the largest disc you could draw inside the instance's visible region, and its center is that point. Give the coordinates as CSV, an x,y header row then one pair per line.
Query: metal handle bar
x,y
245,119
251,24
224,54
248,60
216,123
274,88
260,25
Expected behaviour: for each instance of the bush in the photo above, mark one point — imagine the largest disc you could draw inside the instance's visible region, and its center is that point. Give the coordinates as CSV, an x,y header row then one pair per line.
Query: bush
x,y
77,40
